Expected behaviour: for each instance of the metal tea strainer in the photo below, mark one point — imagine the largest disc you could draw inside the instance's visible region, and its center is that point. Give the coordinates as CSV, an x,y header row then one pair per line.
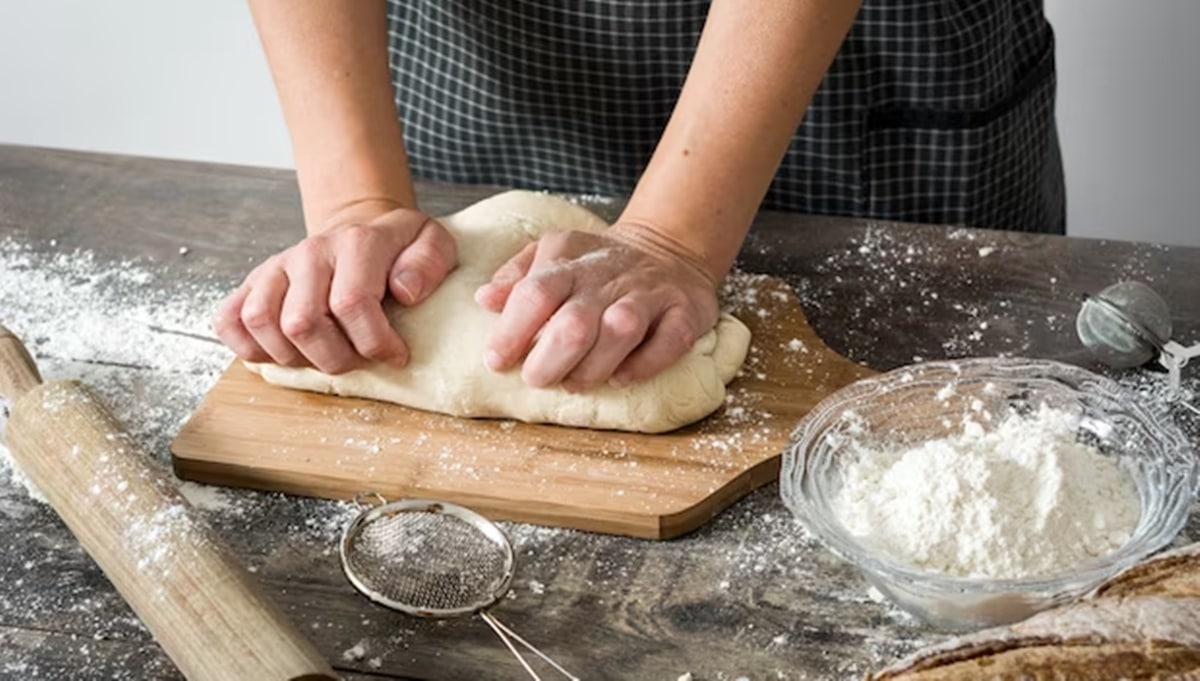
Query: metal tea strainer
x,y
434,559
1128,324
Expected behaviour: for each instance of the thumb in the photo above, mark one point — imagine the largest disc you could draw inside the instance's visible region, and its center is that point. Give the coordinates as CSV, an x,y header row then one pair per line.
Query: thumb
x,y
423,264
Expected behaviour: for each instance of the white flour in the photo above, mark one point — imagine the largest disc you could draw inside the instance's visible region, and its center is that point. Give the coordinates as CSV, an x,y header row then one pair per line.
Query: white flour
x,y
1023,499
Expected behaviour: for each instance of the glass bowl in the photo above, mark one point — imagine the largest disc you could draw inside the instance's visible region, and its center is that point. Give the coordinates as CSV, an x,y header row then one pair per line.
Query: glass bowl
x,y
908,406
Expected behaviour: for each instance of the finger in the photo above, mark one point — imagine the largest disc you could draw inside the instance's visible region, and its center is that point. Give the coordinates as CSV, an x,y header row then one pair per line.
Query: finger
x,y
623,327
668,340
494,294
533,301
356,302
305,319
423,264
227,323
260,315
565,340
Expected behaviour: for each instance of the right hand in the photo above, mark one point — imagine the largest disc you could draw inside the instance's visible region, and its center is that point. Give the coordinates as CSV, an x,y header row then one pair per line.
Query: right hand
x,y
581,309
319,303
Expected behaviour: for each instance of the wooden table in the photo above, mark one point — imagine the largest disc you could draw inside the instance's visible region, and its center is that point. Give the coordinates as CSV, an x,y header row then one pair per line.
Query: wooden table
x,y
750,595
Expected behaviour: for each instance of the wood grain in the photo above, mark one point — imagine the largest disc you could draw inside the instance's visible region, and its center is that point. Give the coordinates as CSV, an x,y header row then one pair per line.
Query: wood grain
x,y
203,608
248,433
18,373
122,507
746,595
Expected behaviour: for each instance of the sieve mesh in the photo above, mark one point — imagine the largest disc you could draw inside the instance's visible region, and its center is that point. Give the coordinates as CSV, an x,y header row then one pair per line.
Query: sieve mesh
x,y
427,562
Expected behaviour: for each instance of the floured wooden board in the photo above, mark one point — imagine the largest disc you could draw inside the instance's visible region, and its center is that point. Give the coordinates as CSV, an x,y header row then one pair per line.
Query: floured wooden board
x,y
248,433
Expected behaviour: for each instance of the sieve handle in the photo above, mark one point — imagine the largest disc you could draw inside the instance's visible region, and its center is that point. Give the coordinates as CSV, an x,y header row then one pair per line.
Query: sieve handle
x,y
508,636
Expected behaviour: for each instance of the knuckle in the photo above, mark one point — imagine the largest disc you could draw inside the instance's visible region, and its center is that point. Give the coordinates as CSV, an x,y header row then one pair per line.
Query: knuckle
x,y
221,323
257,316
621,322
537,291
356,233
356,238
678,338
307,250
424,259
436,254
350,304
300,326
574,332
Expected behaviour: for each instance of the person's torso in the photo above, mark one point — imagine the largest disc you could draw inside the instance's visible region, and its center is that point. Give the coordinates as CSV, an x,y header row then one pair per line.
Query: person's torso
x,y
933,110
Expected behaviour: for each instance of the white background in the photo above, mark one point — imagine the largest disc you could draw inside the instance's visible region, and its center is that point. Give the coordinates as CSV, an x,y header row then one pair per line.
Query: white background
x,y
187,80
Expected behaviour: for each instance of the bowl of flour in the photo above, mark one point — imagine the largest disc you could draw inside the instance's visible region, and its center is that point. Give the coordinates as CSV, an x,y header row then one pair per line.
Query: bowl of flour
x,y
977,492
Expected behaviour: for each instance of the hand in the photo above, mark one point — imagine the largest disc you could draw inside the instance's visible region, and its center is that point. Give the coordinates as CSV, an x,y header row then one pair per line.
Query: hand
x,y
582,308
319,302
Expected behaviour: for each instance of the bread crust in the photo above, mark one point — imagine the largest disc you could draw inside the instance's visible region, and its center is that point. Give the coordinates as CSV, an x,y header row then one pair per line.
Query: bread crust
x,y
1144,623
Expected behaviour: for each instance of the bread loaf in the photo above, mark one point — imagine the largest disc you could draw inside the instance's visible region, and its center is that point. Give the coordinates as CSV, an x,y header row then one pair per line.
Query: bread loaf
x,y
1143,623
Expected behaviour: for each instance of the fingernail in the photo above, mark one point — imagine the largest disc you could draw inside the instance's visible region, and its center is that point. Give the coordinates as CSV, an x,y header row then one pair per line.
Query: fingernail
x,y
410,283
493,360
620,380
481,294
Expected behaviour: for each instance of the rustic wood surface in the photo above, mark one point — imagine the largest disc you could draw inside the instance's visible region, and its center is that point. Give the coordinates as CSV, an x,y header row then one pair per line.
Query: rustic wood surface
x,y
748,595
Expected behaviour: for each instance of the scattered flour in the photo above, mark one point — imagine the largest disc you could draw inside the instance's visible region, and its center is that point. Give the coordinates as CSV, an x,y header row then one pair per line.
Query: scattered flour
x,y
151,537
355,652
207,497
1022,499
136,331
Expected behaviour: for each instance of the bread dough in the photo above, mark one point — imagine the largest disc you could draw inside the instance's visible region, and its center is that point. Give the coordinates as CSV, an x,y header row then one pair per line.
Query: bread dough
x,y
446,335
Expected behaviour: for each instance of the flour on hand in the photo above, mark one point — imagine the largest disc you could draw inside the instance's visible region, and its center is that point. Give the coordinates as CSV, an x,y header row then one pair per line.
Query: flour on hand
x,y
447,332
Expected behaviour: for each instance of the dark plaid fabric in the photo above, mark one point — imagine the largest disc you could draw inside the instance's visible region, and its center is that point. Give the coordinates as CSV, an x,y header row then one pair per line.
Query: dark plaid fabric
x,y
933,111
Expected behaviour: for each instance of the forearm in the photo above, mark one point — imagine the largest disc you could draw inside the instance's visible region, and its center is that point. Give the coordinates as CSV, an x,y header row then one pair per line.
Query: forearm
x,y
329,63
755,70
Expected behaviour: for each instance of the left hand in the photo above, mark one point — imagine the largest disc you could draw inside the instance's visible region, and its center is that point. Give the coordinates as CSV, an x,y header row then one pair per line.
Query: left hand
x,y
582,308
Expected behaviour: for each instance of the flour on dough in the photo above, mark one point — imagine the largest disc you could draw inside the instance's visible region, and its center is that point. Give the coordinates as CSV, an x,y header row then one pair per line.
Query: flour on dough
x,y
446,336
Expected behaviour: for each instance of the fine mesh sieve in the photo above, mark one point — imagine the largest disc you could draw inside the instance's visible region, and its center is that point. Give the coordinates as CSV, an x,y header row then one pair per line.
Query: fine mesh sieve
x,y
1126,325
433,559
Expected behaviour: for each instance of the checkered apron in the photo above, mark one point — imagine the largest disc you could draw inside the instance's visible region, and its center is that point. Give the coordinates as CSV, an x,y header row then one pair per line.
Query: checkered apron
x,y
935,111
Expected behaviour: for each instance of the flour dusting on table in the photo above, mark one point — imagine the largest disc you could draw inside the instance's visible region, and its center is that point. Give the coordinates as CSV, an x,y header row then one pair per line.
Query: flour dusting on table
x,y
137,332
924,293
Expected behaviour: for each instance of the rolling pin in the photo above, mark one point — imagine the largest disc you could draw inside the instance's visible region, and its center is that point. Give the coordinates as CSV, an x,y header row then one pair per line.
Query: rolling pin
x,y
202,607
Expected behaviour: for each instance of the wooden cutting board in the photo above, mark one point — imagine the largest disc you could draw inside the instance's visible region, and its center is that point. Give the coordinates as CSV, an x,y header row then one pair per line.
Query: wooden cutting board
x,y
248,433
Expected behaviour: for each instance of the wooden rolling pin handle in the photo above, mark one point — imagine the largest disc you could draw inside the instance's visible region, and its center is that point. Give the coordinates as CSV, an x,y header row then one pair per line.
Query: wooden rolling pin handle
x,y
202,607
18,373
